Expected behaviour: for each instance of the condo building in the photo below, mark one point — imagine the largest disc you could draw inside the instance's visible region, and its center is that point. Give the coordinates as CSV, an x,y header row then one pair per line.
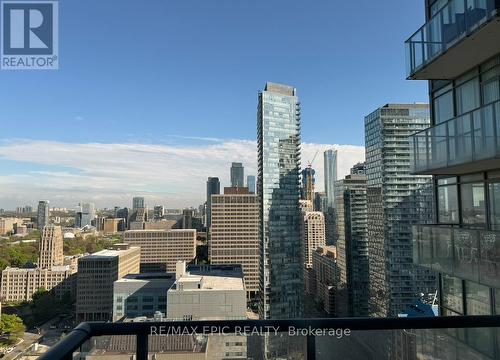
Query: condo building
x,y
96,275
278,124
323,278
352,295
42,217
313,235
235,234
396,200
161,249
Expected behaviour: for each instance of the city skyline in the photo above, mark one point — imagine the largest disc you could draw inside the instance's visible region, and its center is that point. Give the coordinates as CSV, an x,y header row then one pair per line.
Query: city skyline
x,y
52,149
112,174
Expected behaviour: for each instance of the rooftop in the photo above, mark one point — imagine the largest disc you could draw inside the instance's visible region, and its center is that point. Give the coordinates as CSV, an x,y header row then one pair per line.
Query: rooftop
x,y
208,283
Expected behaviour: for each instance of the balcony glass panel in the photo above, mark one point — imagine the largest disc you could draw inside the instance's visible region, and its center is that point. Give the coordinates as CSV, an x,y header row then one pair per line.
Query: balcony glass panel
x,y
446,27
477,298
466,253
494,201
442,257
462,140
466,259
489,262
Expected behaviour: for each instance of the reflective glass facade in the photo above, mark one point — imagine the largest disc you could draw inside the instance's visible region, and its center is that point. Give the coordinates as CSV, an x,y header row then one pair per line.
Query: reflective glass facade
x,y
278,118
396,200
237,175
330,169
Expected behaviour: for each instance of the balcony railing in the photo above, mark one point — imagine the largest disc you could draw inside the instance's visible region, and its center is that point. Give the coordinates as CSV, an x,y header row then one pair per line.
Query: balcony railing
x,y
467,337
458,19
466,253
449,147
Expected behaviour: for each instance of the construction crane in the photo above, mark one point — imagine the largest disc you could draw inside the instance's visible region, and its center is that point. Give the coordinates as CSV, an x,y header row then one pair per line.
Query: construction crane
x,y
309,164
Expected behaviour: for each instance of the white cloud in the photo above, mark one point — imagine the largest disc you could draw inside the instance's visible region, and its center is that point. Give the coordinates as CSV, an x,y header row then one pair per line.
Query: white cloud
x,y
110,174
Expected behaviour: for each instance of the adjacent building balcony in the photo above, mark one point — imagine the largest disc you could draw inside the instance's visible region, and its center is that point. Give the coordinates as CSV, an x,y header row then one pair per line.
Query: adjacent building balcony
x,y
465,144
469,254
464,29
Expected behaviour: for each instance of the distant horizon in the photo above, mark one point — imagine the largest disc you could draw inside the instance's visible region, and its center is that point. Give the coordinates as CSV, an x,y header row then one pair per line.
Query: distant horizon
x,y
105,190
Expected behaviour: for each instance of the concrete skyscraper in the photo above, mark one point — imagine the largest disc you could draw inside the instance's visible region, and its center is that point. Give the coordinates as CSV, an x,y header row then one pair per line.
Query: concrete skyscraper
x,y
330,174
42,217
278,123
352,245
313,235
396,200
51,247
235,234
213,188
237,175
251,184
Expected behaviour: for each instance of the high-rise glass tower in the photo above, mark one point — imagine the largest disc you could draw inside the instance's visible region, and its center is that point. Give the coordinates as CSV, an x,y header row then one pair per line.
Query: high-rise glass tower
x,y
213,188
237,175
42,218
138,203
278,123
396,200
251,184
330,169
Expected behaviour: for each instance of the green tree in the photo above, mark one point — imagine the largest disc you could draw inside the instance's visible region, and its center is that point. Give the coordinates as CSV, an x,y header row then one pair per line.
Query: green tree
x,y
12,325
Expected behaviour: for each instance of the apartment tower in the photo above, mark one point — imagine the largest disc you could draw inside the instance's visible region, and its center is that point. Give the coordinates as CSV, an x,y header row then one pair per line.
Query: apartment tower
x,y
278,124
352,295
396,200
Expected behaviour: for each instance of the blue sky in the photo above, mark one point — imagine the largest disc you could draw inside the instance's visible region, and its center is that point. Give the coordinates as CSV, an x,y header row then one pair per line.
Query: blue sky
x,y
185,74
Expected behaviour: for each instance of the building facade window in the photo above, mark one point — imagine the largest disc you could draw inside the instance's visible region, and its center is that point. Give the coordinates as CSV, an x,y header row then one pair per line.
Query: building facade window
x,y
473,203
448,210
494,200
468,96
443,105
